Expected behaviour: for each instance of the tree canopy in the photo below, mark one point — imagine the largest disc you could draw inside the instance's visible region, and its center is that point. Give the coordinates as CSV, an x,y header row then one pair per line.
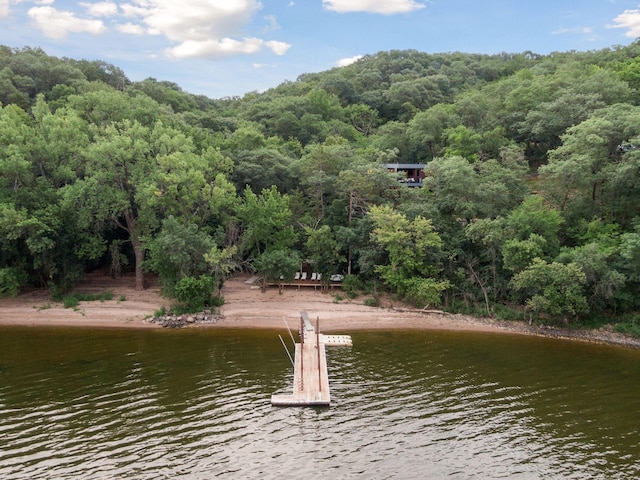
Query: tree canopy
x,y
529,197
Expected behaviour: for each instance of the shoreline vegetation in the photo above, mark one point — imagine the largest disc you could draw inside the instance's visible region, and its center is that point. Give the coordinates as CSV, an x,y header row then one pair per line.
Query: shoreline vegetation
x,y
247,307
498,184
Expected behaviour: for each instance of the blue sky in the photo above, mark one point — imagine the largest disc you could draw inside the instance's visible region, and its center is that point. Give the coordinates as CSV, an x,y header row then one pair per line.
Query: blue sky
x,y
221,48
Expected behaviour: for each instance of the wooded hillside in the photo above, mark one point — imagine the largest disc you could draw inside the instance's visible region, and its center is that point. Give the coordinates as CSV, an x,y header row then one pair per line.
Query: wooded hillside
x,y
531,195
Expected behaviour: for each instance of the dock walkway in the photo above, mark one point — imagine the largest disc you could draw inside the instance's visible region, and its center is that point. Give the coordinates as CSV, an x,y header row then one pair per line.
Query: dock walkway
x,y
310,374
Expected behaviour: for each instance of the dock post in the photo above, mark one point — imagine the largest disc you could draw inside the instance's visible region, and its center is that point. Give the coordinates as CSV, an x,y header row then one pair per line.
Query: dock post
x,y
318,347
301,354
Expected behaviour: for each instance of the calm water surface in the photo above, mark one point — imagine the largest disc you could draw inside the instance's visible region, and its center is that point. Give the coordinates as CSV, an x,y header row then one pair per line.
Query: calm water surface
x,y
194,404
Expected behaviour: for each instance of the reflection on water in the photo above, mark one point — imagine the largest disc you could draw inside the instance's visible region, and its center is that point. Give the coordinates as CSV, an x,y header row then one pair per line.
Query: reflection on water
x,y
195,405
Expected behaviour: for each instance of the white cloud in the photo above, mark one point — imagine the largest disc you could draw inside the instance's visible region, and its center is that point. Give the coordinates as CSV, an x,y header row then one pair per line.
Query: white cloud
x,y
279,48
629,19
4,8
272,23
573,31
196,20
58,24
131,29
220,48
343,62
129,10
385,7
201,28
101,9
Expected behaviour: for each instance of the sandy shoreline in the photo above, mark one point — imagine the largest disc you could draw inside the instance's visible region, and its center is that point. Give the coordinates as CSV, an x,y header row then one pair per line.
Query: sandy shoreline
x,y
247,307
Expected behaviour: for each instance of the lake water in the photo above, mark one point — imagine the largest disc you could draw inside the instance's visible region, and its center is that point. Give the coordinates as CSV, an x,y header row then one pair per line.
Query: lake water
x,y
195,404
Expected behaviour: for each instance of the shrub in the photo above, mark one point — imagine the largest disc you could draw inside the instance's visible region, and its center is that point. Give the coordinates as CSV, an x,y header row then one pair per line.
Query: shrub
x,y
630,325
217,301
372,302
351,285
10,281
72,300
194,293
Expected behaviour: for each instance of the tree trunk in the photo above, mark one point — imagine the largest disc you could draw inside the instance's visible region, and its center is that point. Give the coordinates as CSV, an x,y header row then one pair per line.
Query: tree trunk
x,y
139,254
138,250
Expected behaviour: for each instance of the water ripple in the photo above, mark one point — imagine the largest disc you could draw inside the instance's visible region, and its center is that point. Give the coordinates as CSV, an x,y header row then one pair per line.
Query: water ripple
x,y
403,407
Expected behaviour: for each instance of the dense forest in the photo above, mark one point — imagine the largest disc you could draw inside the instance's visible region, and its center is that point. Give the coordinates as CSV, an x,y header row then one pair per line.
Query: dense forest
x,y
529,206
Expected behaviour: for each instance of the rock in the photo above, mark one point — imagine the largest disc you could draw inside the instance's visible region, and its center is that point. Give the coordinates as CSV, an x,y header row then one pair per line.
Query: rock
x,y
180,321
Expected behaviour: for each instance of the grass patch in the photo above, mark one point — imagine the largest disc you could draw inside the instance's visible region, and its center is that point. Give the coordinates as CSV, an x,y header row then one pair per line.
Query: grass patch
x,y
372,302
629,325
72,300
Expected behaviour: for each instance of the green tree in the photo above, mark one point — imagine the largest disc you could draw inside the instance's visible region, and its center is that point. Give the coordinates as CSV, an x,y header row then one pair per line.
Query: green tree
x,y
323,250
221,263
277,265
179,250
266,220
118,166
555,289
41,239
534,217
412,248
587,176
519,254
462,142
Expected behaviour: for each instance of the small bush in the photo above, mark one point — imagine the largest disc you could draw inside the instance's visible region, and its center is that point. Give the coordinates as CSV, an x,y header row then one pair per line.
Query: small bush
x,y
372,302
337,298
351,285
160,312
217,301
10,281
70,301
505,312
194,294
630,325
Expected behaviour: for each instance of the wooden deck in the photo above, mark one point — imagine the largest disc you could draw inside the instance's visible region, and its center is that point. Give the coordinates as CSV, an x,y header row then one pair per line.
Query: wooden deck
x,y
305,283
310,374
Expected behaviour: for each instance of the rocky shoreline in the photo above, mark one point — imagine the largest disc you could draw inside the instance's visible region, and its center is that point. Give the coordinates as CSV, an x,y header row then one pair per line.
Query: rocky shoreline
x,y
603,335
186,320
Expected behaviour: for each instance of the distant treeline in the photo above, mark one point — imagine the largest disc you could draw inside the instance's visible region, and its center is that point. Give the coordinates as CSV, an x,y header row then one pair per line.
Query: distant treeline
x,y
530,203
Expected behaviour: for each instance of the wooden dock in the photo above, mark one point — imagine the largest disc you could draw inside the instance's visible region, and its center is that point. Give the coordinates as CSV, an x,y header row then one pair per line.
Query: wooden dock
x,y
310,375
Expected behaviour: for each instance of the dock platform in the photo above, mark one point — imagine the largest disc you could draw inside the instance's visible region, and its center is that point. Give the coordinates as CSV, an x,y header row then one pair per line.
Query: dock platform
x,y
310,374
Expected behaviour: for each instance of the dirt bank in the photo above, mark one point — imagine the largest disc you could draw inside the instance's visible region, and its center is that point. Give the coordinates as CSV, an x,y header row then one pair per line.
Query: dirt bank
x,y
247,307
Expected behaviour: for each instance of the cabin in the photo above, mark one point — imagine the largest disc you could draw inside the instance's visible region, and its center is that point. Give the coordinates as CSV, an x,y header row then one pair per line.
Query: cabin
x,y
410,174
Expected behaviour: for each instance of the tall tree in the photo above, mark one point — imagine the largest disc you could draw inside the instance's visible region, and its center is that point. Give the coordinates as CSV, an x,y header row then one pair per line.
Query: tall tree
x,y
413,249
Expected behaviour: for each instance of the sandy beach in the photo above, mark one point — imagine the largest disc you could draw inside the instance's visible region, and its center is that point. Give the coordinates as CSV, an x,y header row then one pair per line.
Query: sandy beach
x,y
247,307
